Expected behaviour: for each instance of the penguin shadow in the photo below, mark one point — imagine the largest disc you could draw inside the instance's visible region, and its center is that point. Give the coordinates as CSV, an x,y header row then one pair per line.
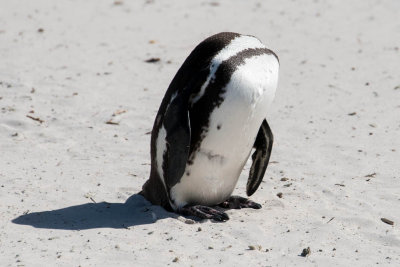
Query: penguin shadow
x,y
135,211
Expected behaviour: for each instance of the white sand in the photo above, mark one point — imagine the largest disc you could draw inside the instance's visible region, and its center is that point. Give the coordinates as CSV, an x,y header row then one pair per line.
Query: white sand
x,y
88,63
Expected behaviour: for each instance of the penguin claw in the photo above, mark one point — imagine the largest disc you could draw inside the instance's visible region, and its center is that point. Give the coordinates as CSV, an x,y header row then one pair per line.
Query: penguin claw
x,y
237,202
204,212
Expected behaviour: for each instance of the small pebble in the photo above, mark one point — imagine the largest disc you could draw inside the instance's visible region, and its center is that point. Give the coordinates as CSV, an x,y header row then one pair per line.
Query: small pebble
x,y
256,247
189,221
305,252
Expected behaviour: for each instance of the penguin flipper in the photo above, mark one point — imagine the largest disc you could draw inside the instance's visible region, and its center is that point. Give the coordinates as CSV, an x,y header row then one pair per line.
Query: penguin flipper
x,y
177,126
263,146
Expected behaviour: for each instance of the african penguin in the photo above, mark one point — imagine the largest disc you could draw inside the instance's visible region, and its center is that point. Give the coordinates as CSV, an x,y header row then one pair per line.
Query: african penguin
x,y
211,117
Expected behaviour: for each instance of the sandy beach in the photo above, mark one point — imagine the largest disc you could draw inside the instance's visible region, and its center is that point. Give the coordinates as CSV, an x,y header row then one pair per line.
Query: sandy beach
x,y
78,101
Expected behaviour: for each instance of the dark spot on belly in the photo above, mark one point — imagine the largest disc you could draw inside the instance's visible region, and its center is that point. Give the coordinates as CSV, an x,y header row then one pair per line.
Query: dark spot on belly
x,y
219,126
188,173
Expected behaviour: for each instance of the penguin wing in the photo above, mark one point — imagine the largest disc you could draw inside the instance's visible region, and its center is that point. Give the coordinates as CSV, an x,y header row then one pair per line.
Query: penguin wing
x,y
177,127
263,146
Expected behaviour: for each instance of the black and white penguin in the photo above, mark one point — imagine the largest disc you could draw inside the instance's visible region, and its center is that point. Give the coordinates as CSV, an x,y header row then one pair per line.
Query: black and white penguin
x,y
210,118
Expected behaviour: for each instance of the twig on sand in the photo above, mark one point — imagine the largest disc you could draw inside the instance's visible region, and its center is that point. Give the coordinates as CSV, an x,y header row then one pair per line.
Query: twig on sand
x,y
35,119
331,219
118,112
112,122
387,221
152,60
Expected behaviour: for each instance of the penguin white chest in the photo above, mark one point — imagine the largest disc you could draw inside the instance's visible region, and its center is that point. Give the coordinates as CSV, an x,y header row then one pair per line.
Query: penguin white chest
x,y
211,176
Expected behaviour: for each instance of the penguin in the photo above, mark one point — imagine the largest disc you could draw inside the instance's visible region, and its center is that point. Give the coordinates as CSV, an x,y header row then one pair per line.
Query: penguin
x,y
211,118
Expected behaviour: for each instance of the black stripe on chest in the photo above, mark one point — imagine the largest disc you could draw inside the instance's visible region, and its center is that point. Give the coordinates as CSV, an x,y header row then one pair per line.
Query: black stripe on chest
x,y
189,78
201,111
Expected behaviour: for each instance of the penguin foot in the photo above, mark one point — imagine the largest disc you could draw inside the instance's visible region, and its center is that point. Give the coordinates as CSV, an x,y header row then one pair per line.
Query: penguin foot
x,y
204,212
237,202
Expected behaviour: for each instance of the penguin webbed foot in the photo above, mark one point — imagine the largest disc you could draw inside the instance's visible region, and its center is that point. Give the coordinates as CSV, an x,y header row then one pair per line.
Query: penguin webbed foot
x,y
204,212
237,202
